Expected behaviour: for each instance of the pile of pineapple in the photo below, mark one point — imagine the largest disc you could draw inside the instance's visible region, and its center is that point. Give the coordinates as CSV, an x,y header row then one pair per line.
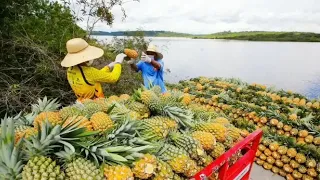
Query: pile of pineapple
x,y
148,135
291,143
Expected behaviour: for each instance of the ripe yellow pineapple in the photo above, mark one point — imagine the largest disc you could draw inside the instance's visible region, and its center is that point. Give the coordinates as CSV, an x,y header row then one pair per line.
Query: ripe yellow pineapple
x,y
179,163
118,172
260,162
311,163
124,97
267,166
263,157
131,53
274,122
300,158
294,164
316,141
287,168
303,133
53,118
28,132
218,130
292,152
207,140
145,167
218,150
163,171
84,122
113,98
296,174
186,100
275,170
279,163
282,150
285,159
309,139
276,155
274,146
221,120
101,122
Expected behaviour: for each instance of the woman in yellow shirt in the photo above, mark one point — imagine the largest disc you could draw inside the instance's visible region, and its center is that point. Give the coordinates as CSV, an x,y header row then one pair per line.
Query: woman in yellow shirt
x,y
85,80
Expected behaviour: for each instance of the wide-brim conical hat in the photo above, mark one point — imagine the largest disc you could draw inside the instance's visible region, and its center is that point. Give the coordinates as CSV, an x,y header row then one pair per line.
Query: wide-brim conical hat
x,y
153,48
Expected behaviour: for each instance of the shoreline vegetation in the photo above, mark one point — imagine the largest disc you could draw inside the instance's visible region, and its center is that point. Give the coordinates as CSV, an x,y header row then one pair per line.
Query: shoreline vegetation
x,y
246,35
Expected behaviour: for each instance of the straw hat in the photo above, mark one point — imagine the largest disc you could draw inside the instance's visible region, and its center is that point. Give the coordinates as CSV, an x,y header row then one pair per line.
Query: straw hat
x,y
79,51
153,48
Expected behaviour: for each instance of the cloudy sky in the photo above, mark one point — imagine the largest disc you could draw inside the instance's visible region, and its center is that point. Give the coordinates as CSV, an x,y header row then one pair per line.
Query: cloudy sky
x,y
209,16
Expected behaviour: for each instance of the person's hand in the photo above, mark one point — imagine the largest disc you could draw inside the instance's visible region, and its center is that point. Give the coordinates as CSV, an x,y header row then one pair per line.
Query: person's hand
x,y
119,58
145,58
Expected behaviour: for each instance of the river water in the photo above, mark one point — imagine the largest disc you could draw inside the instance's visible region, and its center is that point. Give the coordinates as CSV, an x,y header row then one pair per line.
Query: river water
x,y
285,65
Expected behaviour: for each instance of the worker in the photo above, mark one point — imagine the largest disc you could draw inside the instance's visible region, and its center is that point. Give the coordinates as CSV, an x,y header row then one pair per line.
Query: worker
x,y
85,80
151,65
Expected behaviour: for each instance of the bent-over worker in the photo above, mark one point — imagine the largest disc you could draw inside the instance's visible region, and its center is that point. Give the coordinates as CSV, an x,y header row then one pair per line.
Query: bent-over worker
x,y
85,80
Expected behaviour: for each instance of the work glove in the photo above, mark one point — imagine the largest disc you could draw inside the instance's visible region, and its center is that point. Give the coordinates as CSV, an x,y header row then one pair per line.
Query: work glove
x,y
145,58
111,65
120,58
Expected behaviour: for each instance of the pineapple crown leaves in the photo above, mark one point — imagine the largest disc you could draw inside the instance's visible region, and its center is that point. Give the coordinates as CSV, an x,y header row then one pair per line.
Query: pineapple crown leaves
x,y
50,137
10,155
45,105
183,117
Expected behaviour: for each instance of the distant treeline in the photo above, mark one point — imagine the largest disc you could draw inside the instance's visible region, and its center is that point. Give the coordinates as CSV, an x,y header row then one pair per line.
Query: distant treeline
x,y
264,36
146,33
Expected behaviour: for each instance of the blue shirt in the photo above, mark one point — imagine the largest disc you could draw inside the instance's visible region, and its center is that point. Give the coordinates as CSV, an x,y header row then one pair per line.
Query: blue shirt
x,y
151,75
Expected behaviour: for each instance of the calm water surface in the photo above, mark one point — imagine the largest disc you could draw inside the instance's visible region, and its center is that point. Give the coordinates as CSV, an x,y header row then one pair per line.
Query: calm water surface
x,y
285,65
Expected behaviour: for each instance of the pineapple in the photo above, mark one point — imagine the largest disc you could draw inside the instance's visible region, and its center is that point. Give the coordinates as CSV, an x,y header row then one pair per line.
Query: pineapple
x,y
145,167
69,111
296,174
53,118
218,130
316,141
260,162
285,159
221,120
124,97
179,163
192,146
84,122
267,166
274,122
101,122
164,171
287,168
294,164
263,157
271,160
294,132
282,173
279,163
140,108
275,170
131,53
274,146
80,168
42,167
302,169
311,163
276,155
261,147
282,150
234,133
207,140
229,143
289,177
113,98
171,124
300,158
292,152
90,108
307,177
153,129
309,139
26,133
170,151
186,100
218,150
312,172
303,133
118,172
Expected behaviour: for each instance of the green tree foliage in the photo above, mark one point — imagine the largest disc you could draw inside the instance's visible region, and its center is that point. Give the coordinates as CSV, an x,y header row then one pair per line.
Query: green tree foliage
x,y
33,34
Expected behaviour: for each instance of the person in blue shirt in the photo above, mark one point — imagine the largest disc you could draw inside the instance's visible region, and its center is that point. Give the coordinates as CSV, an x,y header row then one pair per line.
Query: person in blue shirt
x,y
151,65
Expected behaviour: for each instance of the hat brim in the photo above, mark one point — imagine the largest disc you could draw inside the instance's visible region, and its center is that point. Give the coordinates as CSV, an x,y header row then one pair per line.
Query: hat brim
x,y
160,56
89,53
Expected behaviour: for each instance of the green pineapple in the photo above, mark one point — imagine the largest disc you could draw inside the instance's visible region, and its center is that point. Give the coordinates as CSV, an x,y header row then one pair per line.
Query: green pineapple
x,y
140,108
164,171
89,108
154,130
169,151
78,168
186,142
229,142
69,111
41,167
218,150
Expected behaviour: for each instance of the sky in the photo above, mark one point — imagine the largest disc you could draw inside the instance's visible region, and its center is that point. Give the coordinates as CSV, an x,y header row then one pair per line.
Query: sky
x,y
210,16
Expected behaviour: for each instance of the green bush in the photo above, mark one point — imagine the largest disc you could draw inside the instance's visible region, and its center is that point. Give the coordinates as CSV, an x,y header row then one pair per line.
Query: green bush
x,y
33,35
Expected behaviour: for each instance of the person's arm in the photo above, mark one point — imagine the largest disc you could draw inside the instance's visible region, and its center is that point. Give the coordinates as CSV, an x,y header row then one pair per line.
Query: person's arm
x,y
155,64
104,75
134,67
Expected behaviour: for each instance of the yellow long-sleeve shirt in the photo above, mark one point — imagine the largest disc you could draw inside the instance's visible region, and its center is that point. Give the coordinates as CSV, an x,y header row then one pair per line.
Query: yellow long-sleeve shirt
x,y
86,81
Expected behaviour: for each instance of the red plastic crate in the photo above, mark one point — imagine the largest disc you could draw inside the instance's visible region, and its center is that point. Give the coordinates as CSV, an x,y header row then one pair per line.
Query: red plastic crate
x,y
240,169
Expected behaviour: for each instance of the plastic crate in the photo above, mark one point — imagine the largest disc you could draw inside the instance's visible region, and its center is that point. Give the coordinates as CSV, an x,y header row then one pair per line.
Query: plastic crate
x,y
241,168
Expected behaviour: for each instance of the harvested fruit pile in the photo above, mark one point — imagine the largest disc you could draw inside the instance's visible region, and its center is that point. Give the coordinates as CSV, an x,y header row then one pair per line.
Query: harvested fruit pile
x,y
291,143
148,135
